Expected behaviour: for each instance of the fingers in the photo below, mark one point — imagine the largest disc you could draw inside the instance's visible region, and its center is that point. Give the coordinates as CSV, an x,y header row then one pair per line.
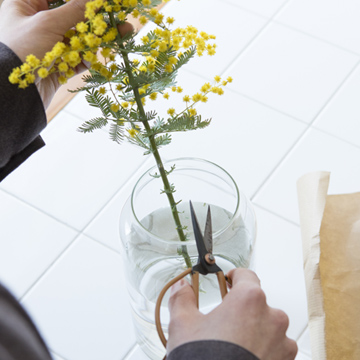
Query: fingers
x,y
280,319
183,315
291,349
182,300
239,276
68,15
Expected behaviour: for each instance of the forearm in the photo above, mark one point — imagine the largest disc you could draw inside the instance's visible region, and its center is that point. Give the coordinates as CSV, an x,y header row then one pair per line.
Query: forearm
x,y
22,117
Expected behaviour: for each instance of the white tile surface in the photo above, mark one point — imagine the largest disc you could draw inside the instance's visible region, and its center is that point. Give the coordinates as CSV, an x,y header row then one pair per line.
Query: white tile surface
x,y
330,20
341,117
225,21
81,305
279,265
263,7
75,174
29,243
316,152
291,72
304,343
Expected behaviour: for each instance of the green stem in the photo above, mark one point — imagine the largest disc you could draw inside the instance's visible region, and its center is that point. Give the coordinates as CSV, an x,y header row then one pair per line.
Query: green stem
x,y
160,166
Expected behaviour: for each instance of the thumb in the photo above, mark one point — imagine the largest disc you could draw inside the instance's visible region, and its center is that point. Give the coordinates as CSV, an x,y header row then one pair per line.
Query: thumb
x,y
182,300
68,15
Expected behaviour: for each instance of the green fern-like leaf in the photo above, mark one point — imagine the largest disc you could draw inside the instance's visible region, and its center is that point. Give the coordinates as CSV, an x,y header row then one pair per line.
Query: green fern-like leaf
x,y
162,140
185,122
161,84
157,126
185,58
134,48
93,80
116,132
93,124
140,141
84,88
150,115
94,98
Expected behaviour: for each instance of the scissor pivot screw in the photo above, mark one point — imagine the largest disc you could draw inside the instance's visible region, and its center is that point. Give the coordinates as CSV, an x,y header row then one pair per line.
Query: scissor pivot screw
x,y
210,259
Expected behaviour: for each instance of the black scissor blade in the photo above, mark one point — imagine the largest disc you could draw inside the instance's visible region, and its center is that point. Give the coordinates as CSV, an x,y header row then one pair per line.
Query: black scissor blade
x,y
197,232
208,241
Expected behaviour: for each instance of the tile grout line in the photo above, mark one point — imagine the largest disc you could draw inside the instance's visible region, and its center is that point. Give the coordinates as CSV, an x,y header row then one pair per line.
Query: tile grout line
x,y
255,37
335,136
277,22
81,231
116,191
100,243
127,181
53,263
253,12
24,202
56,353
280,162
304,133
267,106
277,215
132,350
234,91
302,333
60,256
316,37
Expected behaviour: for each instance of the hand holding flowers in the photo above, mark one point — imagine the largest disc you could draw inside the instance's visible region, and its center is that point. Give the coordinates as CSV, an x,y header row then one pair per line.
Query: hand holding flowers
x,y
29,27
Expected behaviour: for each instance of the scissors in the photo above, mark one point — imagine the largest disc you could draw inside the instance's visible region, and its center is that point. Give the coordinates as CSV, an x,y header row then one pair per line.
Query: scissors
x,y
205,265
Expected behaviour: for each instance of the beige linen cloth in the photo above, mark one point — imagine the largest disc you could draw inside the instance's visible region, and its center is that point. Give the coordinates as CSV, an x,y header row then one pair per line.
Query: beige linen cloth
x,y
330,227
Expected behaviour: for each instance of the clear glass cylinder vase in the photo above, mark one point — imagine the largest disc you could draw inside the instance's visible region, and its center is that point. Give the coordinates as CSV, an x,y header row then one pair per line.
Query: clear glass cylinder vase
x,y
152,251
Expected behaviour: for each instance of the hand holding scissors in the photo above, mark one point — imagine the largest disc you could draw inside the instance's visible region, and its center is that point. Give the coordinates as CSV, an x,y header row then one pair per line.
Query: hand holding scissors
x,y
206,265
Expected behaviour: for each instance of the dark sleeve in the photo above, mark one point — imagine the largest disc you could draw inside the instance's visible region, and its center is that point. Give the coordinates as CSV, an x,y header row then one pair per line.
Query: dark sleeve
x,y
19,338
22,117
210,350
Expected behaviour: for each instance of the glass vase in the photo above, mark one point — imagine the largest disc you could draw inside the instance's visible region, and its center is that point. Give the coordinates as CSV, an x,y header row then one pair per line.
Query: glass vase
x,y
152,251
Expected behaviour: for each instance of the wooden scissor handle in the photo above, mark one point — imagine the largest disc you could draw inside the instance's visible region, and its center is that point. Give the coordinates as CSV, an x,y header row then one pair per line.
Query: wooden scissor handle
x,y
222,283
195,285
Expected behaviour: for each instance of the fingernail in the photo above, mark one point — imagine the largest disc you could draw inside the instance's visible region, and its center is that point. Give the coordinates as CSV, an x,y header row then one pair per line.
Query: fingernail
x,y
228,281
